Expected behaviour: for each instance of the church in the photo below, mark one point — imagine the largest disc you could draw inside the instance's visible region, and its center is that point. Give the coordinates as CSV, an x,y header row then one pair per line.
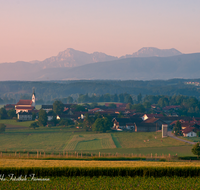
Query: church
x,y
26,105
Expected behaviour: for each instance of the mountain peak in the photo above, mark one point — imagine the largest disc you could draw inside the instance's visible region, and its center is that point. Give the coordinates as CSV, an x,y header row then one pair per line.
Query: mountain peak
x,y
153,52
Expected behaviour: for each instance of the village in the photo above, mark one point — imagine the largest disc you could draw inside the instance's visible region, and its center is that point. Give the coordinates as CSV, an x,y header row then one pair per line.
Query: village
x,y
121,118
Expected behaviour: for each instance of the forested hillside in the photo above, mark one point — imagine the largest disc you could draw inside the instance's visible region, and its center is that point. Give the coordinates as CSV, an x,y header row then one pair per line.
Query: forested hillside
x,y
12,91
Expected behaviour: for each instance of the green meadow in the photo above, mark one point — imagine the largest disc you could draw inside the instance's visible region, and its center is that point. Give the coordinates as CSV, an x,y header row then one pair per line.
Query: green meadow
x,y
57,139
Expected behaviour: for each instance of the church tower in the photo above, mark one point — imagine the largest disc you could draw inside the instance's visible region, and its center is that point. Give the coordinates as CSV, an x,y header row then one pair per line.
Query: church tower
x,y
33,97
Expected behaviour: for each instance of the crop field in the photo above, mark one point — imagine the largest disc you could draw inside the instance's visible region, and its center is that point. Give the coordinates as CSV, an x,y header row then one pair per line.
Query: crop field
x,y
90,142
82,163
108,183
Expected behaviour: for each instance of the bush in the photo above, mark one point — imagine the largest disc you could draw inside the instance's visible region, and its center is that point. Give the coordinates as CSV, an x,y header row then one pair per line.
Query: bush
x,y
2,127
196,149
34,125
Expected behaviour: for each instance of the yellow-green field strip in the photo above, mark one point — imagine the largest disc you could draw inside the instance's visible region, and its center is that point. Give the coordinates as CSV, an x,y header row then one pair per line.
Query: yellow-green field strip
x,y
75,163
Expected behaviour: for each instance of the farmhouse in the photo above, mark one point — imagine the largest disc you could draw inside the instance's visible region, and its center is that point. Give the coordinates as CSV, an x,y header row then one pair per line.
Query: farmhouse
x,y
125,123
156,121
24,116
189,132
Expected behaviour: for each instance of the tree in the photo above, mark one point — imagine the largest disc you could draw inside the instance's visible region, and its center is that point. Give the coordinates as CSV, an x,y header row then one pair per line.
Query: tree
x,y
177,128
147,105
139,98
2,127
88,121
80,108
3,113
42,117
34,125
121,98
130,100
33,115
58,107
69,100
112,105
196,149
114,98
139,108
11,113
53,120
128,106
93,105
102,125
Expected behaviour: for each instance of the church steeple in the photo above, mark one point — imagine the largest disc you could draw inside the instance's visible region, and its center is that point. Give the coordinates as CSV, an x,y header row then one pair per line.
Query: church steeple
x,y
33,97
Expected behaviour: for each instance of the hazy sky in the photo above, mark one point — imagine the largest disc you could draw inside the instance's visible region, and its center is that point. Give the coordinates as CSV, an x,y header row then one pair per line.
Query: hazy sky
x,y
37,29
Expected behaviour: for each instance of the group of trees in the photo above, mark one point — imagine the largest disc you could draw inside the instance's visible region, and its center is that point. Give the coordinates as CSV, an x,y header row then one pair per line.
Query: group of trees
x,y
98,123
190,106
123,98
7,114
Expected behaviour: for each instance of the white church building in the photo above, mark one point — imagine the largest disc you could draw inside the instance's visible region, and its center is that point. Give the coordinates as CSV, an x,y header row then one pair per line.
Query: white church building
x,y
26,105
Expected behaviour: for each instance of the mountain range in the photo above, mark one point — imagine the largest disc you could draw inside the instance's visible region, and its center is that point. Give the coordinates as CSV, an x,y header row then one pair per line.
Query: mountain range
x,y
147,64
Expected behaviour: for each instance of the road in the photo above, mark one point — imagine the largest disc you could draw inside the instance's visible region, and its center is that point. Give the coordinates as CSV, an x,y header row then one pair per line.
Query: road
x,y
174,137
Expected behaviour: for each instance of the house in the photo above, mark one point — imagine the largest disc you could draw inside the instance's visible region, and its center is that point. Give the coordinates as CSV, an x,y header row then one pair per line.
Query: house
x,y
9,107
24,116
47,108
26,105
50,116
156,121
145,127
173,107
125,123
95,110
147,116
189,132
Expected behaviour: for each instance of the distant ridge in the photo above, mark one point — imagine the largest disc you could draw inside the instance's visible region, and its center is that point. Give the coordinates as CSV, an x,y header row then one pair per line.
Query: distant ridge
x,y
148,64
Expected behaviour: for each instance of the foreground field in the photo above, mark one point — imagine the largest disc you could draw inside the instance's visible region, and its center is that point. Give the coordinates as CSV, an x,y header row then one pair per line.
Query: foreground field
x,y
167,183
76,163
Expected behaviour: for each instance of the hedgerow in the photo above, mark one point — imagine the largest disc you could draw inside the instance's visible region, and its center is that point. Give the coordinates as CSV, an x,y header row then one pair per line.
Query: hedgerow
x,y
112,172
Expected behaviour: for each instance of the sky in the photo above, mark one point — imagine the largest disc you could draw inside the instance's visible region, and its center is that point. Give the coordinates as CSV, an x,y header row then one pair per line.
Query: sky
x,y
38,29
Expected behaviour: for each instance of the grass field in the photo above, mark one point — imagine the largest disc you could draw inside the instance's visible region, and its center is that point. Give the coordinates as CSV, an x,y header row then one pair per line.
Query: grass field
x,y
90,142
145,139
35,141
106,183
58,139
192,139
77,163
15,123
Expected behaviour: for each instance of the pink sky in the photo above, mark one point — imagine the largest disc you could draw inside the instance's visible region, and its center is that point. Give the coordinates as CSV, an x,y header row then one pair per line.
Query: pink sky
x,y
35,30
